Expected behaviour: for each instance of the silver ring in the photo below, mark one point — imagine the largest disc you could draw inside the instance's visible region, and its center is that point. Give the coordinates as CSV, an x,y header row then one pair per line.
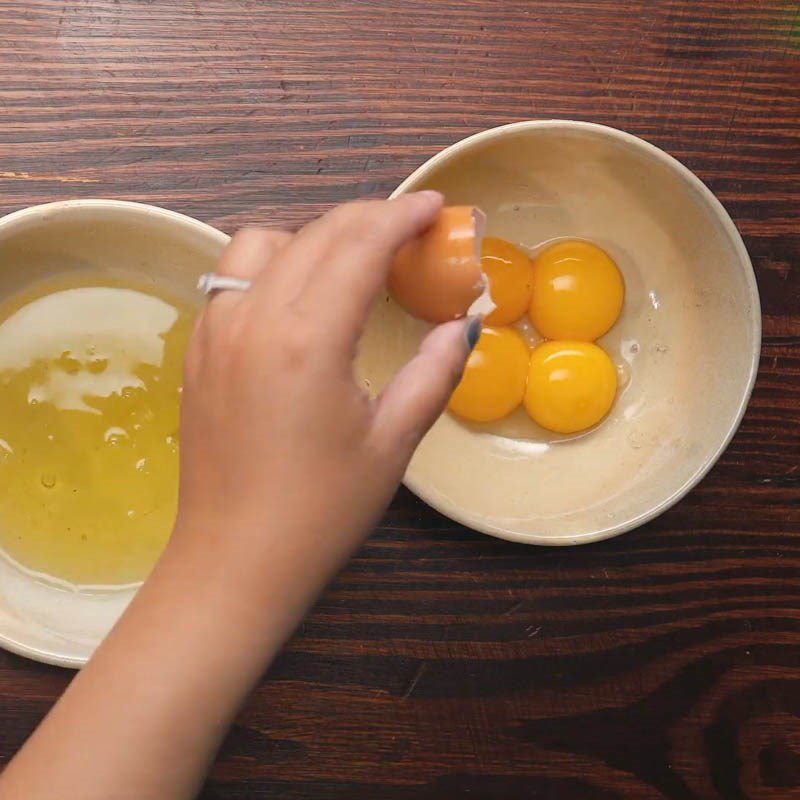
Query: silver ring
x,y
211,282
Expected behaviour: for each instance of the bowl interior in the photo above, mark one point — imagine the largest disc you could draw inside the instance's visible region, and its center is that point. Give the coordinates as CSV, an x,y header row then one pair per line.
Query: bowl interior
x,y
685,346
38,619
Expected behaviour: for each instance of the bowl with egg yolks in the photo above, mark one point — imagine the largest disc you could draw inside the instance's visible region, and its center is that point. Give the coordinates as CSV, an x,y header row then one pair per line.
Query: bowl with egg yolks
x,y
640,361
96,306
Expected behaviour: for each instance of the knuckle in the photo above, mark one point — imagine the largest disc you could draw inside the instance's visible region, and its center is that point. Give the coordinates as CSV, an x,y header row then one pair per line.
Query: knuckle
x,y
297,349
273,237
253,240
342,215
252,233
355,214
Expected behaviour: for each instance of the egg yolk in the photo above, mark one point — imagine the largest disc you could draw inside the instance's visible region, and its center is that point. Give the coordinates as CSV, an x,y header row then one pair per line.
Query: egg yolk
x,y
510,275
571,386
577,292
494,379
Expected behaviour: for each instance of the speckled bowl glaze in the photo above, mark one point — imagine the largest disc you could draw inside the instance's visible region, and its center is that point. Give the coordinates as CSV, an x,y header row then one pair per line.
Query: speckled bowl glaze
x,y
686,346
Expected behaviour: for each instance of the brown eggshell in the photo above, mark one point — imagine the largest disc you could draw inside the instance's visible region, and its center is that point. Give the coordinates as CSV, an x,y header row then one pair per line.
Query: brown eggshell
x,y
438,276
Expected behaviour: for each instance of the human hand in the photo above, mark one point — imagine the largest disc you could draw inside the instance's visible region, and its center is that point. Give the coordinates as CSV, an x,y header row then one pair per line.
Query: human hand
x,y
286,466
286,461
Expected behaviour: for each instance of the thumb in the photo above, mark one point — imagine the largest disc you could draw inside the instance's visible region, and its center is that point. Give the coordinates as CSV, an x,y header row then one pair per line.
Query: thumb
x,y
418,394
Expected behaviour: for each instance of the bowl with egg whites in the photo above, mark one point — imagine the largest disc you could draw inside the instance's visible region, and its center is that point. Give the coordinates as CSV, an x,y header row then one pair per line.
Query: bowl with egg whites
x,y
97,299
621,343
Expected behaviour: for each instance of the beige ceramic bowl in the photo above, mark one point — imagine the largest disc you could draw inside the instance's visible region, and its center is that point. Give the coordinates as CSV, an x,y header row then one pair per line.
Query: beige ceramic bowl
x,y
40,620
687,344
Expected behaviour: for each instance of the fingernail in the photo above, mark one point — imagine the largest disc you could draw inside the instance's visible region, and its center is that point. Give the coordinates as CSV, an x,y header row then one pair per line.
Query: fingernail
x,y
473,332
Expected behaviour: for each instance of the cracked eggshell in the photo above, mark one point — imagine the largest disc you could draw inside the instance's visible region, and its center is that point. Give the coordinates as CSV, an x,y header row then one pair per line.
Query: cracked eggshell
x,y
437,277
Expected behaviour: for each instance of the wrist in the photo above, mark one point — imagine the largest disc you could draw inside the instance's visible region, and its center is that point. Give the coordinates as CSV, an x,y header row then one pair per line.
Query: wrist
x,y
248,577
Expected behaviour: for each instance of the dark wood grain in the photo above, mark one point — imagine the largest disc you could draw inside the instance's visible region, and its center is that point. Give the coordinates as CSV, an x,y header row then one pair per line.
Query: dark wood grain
x,y
443,664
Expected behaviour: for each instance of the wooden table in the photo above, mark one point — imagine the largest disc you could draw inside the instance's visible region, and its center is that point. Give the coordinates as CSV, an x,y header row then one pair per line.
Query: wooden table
x,y
444,664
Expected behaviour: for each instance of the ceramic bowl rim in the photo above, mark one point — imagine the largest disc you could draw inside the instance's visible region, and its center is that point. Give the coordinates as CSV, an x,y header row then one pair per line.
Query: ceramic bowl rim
x,y
45,212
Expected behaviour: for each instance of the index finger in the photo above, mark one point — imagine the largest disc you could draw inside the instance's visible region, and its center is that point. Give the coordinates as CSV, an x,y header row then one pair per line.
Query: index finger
x,y
347,253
